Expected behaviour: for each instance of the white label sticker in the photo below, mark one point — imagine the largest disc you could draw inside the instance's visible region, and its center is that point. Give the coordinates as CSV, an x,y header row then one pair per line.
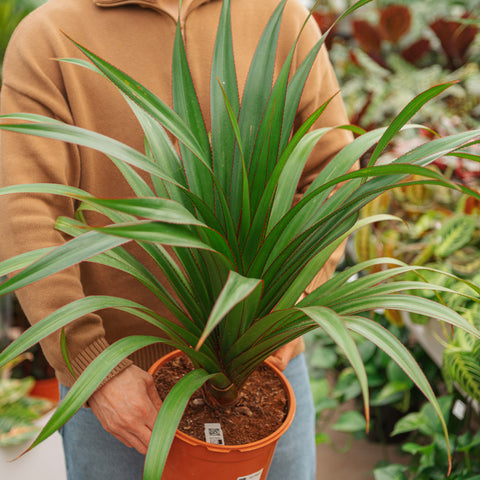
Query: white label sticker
x,y
214,434
253,476
459,409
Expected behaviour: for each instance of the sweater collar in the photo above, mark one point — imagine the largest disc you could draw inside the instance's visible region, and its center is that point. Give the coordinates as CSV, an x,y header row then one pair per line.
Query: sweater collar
x,y
153,4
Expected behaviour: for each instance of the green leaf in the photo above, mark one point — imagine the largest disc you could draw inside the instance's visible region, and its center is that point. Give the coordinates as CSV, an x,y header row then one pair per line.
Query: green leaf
x,y
258,229
430,151
87,383
414,448
62,257
236,289
86,138
296,85
239,207
167,421
288,180
21,261
162,233
65,315
434,426
223,83
176,277
350,422
120,259
390,472
399,354
160,148
13,389
14,429
321,395
160,209
410,423
149,102
462,366
347,386
392,392
343,161
322,358
258,85
316,262
264,327
408,303
454,234
321,438
65,354
405,115
186,105
133,178
468,442
336,329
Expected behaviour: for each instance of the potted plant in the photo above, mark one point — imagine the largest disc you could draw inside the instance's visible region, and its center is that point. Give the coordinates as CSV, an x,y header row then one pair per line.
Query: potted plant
x,y
18,408
35,365
247,256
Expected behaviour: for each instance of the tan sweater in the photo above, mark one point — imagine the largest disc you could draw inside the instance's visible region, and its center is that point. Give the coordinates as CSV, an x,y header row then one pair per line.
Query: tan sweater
x,y
137,37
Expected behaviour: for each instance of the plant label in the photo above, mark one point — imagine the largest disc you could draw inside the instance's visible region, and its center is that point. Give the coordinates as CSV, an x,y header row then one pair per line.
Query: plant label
x,y
214,434
253,476
459,409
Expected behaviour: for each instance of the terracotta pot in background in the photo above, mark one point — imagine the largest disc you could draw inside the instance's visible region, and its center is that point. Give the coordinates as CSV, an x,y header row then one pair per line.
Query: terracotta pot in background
x,y
47,388
194,459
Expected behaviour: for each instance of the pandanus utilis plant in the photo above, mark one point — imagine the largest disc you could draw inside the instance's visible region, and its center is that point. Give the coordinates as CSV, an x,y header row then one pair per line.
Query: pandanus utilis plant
x,y
240,254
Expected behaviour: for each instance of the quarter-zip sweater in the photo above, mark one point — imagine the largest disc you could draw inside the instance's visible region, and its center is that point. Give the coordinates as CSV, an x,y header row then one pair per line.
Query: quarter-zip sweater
x,y
137,37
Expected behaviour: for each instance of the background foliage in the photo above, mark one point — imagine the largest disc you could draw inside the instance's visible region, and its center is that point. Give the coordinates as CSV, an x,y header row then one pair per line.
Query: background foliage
x,y
386,53
11,13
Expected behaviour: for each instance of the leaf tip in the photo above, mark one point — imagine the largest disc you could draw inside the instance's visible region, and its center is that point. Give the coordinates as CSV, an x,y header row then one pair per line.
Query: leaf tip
x,y
21,454
367,419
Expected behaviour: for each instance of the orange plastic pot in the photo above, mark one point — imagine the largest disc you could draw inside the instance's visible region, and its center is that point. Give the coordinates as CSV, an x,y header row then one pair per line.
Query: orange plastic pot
x,y
192,459
47,388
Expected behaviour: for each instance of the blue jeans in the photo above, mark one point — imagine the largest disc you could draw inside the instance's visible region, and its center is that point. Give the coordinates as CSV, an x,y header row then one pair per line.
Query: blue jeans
x,y
91,453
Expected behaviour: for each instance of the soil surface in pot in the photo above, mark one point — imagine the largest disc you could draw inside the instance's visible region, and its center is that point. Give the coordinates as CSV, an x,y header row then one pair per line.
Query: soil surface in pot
x,y
261,409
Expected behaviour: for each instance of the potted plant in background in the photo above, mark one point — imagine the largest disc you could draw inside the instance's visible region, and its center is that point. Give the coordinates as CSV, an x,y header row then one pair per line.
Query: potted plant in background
x,y
247,254
18,408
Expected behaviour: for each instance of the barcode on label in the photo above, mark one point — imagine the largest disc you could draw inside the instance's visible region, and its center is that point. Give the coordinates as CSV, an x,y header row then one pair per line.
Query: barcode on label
x,y
214,434
253,476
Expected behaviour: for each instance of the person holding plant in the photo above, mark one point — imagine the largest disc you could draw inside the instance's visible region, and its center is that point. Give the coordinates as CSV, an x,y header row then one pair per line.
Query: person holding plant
x,y
110,438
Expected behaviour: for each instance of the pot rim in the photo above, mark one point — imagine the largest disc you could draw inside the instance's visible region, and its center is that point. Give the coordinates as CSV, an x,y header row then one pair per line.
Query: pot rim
x,y
273,437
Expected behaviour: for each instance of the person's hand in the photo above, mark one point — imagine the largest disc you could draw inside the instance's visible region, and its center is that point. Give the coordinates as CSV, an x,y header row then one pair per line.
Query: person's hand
x,y
127,407
284,354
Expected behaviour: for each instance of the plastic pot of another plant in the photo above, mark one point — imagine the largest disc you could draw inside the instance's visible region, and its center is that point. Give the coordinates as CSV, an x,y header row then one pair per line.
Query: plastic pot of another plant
x,y
46,388
191,458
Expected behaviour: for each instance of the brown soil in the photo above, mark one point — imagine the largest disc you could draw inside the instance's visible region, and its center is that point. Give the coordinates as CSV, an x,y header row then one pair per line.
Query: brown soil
x,y
261,408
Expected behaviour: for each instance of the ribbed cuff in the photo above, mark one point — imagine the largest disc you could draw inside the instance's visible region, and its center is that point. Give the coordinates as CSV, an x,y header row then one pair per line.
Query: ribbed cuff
x,y
147,356
83,360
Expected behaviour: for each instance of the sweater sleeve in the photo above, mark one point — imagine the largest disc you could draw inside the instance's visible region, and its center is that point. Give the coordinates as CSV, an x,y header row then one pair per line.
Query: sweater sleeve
x,y
32,83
